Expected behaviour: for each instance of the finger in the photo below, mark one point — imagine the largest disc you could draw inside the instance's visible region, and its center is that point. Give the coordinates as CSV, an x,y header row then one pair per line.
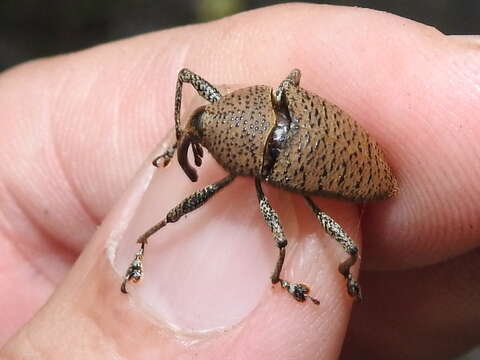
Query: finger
x,y
422,225
206,289
425,313
468,40
134,87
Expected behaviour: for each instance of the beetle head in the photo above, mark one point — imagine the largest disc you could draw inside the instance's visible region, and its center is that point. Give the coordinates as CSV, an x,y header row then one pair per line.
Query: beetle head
x,y
190,137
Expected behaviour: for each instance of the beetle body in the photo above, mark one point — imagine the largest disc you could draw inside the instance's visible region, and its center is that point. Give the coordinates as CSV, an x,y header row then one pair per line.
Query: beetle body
x,y
302,143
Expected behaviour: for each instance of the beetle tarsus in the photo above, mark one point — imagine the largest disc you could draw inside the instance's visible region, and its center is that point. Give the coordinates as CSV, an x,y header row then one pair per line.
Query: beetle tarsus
x,y
134,272
353,288
298,291
167,156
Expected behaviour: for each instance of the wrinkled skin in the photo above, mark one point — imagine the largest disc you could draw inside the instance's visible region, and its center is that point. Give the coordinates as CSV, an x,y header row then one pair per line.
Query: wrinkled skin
x,y
75,128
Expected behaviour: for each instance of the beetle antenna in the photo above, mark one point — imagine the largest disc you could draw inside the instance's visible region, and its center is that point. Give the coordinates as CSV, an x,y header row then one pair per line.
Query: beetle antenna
x,y
183,158
197,153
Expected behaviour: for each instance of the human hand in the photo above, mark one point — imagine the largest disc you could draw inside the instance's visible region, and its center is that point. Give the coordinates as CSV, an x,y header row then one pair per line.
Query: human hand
x,y
75,129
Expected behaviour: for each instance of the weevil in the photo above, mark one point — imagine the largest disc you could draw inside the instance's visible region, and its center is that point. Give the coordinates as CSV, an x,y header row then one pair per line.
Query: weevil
x,y
287,137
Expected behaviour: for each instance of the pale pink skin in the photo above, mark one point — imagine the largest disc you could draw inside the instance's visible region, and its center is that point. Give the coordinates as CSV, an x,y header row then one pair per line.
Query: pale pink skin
x,y
76,128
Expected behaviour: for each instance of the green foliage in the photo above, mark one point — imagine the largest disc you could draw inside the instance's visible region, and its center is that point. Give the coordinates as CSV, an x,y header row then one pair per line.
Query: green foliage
x,y
214,9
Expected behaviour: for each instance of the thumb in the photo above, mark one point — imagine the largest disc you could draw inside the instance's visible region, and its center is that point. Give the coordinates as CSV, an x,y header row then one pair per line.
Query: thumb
x,y
206,292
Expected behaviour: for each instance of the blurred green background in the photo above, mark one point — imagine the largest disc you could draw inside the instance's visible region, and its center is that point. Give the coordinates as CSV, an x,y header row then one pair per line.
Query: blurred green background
x,y
31,29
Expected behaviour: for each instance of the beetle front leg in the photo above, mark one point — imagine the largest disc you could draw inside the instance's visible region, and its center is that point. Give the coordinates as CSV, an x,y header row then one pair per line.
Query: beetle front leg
x,y
203,88
334,229
135,271
298,291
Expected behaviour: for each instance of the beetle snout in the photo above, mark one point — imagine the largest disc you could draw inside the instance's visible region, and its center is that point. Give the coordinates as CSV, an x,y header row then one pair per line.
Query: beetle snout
x,y
183,156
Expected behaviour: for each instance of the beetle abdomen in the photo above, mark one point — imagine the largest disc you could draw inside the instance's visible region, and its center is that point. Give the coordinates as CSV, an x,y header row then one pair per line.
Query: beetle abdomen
x,y
235,129
326,152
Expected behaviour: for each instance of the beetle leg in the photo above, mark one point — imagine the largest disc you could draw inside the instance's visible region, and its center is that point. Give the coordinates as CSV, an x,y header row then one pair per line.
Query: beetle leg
x,y
203,88
293,79
135,270
333,229
298,291
273,222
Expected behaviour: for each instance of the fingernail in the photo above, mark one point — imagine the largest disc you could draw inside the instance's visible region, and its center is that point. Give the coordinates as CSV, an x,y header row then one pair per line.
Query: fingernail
x,y
210,269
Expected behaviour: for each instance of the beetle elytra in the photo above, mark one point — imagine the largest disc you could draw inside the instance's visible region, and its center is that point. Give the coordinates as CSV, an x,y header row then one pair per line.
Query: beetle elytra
x,y
287,137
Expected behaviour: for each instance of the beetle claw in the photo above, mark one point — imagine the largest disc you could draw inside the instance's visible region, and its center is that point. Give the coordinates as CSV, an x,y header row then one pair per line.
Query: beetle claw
x,y
123,288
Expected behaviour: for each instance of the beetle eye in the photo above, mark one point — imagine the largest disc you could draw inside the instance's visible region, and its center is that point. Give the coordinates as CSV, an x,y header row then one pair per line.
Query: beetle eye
x,y
183,157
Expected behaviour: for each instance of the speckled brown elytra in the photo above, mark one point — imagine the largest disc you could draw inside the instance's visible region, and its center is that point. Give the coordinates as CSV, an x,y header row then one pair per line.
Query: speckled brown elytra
x,y
286,137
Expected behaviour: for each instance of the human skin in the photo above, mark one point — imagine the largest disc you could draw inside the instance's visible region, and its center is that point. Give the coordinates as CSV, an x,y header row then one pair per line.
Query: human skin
x,y
75,129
